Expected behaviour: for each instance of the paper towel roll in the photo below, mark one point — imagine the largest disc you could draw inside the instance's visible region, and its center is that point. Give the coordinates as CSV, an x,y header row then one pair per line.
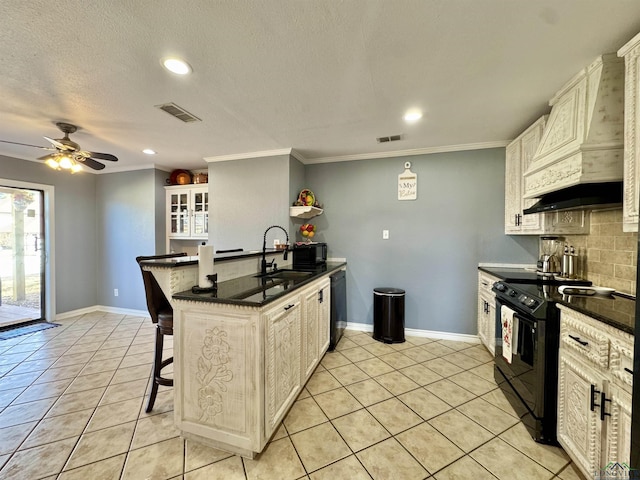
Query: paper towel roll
x,y
205,265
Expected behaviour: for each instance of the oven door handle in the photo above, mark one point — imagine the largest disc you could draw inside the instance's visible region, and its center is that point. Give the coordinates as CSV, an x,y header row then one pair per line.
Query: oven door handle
x,y
577,339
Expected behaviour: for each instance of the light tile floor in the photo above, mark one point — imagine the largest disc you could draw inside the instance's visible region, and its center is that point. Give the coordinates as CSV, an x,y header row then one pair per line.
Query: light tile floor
x,y
72,402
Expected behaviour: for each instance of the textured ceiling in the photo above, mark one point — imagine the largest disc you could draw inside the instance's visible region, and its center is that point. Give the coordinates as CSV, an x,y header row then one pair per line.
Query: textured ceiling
x,y
324,77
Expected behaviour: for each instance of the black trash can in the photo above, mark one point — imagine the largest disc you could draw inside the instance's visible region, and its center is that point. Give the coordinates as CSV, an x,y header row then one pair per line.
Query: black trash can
x,y
388,315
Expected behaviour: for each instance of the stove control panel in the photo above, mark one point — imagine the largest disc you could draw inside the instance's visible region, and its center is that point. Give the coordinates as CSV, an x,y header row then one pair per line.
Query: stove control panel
x,y
528,301
515,297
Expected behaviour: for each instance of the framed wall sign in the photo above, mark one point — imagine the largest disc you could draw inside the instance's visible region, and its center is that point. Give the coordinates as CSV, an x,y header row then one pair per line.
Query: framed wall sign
x,y
407,184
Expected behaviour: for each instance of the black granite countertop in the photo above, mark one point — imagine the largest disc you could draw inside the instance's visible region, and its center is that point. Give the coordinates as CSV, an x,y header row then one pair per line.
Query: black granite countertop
x,y
617,310
218,257
257,291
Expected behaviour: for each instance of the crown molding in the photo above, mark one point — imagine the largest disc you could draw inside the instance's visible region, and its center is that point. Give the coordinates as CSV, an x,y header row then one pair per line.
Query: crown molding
x,y
360,156
264,153
406,153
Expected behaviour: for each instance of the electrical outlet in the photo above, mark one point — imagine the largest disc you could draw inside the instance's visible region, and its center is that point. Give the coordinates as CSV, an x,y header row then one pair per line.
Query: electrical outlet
x,y
385,234
115,292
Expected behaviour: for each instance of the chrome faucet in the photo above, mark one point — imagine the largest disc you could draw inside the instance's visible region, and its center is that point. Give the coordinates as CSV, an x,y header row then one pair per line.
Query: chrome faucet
x,y
263,265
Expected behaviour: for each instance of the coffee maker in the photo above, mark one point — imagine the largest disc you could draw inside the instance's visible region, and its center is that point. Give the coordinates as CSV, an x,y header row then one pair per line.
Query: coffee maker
x,y
549,264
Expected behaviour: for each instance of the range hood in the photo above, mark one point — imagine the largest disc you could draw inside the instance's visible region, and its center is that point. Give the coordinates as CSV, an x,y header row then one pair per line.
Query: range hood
x,y
586,196
582,142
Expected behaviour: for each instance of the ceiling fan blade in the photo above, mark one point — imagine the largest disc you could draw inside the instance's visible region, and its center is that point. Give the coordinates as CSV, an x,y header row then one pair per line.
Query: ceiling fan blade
x,y
90,162
103,156
58,145
48,156
26,145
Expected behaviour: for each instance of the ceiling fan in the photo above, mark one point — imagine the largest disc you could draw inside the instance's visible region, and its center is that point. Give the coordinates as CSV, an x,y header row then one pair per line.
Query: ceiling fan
x,y
67,153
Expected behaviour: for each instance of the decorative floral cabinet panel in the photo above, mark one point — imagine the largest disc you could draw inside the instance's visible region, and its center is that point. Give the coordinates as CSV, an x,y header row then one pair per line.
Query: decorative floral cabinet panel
x,y
595,384
631,178
579,425
219,360
239,369
487,311
282,362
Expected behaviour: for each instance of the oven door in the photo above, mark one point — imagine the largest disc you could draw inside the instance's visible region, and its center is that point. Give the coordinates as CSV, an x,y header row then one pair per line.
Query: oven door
x,y
523,372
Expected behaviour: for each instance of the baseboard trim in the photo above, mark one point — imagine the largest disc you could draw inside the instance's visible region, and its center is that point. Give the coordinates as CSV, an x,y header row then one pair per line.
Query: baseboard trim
x,y
101,308
414,332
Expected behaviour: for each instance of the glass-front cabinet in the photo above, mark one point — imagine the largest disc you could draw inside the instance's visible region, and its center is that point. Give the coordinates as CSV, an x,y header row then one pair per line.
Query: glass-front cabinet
x,y
200,212
187,213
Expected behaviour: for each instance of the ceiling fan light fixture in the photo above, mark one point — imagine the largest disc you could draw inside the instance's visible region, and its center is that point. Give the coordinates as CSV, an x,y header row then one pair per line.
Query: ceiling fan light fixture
x,y
66,163
53,163
76,167
176,65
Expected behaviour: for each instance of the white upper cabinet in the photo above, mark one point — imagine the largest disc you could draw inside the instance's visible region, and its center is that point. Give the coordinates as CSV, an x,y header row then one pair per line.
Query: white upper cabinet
x,y
188,212
631,53
519,154
519,157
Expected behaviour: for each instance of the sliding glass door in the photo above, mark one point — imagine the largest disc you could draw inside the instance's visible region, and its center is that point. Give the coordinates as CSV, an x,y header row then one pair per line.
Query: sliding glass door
x,y
22,258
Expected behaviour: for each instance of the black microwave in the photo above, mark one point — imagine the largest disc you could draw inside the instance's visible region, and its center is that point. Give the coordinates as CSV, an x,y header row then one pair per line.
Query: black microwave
x,y
308,255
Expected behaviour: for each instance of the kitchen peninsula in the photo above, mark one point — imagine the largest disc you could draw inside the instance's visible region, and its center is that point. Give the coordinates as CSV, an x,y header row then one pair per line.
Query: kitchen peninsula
x,y
243,353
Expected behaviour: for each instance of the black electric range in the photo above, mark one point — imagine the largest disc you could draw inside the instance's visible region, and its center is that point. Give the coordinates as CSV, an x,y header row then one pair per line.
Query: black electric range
x,y
527,372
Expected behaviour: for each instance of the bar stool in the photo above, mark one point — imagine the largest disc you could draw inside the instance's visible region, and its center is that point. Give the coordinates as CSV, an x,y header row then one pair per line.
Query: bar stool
x,y
161,314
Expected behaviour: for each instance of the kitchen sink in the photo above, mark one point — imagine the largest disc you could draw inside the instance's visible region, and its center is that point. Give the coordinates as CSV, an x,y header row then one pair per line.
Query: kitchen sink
x,y
287,274
268,293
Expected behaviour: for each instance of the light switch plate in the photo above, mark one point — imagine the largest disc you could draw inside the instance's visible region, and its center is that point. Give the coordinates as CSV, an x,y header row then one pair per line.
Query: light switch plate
x,y
385,234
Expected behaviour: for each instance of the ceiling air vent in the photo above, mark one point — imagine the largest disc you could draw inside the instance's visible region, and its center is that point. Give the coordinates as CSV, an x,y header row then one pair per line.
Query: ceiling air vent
x,y
391,138
178,112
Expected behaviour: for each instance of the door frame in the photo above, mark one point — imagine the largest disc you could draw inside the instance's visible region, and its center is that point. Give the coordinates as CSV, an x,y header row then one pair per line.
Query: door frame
x,y
48,244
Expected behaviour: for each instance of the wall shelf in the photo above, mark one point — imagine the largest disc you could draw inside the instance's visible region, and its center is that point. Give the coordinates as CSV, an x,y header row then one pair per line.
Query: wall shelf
x,y
305,211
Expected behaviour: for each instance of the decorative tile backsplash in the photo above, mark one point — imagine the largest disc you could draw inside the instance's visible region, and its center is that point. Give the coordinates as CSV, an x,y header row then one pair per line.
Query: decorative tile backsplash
x,y
608,256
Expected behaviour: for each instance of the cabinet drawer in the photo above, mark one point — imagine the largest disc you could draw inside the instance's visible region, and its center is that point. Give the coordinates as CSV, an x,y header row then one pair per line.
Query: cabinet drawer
x,y
485,283
621,361
583,339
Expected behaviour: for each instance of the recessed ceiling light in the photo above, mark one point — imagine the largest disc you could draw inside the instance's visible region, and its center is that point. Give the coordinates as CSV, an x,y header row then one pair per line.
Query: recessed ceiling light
x,y
412,116
148,151
176,65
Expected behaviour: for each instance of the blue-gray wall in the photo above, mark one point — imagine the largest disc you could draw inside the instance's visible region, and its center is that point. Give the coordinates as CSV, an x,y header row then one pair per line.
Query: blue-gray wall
x,y
102,222
127,208
245,197
435,242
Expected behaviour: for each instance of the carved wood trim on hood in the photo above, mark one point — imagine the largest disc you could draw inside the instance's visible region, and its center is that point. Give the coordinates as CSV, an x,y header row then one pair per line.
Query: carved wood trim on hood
x,y
583,139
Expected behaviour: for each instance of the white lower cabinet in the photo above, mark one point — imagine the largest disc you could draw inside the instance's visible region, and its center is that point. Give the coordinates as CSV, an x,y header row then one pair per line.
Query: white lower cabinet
x,y
487,311
579,425
238,369
594,392
315,328
282,360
